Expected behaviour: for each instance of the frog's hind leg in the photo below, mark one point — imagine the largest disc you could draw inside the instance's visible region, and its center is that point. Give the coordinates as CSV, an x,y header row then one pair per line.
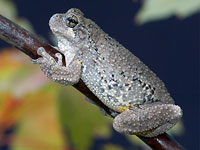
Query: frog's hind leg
x,y
148,120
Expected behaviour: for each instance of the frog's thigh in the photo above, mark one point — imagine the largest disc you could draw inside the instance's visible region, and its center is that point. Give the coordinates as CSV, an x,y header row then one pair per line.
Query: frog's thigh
x,y
148,120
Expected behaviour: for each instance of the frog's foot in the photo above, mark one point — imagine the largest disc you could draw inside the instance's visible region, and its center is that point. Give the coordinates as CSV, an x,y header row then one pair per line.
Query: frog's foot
x,y
55,70
148,120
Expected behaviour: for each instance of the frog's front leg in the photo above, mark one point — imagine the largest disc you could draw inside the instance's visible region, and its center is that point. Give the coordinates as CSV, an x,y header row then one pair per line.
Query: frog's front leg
x,y
147,120
56,70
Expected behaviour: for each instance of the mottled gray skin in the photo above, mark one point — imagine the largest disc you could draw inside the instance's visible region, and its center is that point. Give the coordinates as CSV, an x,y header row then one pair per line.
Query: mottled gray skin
x,y
117,77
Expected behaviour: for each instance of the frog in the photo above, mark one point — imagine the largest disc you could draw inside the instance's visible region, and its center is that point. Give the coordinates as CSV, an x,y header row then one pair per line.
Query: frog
x,y
120,80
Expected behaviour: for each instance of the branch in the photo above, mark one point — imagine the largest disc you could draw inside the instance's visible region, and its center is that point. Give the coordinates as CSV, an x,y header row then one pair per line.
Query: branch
x,y
28,43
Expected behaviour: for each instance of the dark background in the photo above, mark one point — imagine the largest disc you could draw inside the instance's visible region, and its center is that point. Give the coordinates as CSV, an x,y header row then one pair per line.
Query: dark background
x,y
169,47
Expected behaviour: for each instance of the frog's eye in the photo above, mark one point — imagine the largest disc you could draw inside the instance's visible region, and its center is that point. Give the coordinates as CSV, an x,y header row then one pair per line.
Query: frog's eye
x,y
72,21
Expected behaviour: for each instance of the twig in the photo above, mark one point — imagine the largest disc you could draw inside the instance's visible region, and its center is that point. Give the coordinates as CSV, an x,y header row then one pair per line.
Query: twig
x,y
28,43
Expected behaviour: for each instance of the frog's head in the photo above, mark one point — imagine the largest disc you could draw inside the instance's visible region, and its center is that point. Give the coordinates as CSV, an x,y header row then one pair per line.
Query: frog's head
x,y
73,28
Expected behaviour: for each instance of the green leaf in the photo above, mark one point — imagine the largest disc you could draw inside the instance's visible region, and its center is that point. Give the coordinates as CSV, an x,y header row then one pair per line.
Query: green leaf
x,y
153,10
8,9
82,120
39,128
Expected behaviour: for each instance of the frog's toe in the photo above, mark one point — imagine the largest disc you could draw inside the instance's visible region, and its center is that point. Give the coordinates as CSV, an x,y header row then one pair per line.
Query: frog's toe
x,y
41,51
59,56
40,60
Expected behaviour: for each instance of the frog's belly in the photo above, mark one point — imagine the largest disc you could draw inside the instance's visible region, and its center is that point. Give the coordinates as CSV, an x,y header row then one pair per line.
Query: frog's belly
x,y
112,88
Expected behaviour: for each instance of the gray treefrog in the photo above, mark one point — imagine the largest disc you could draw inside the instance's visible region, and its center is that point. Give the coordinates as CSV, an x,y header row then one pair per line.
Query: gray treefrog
x,y
117,77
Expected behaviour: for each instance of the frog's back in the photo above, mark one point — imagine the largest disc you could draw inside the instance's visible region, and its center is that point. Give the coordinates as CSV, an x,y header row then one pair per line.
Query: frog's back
x,y
118,78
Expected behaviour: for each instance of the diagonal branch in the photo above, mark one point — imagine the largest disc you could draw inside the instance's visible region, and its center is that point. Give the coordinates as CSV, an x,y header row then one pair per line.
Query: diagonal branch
x,y
28,43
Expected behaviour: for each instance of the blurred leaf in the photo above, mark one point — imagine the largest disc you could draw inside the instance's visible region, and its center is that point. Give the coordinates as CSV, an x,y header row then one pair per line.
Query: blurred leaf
x,y
39,129
81,120
112,147
9,10
10,112
17,72
153,10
